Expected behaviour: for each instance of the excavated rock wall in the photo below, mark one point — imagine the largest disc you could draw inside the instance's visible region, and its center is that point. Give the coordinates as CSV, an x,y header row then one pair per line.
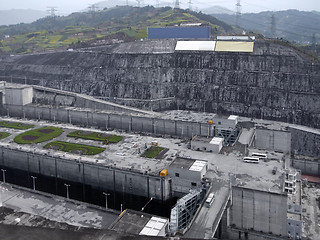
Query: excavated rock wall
x,y
274,82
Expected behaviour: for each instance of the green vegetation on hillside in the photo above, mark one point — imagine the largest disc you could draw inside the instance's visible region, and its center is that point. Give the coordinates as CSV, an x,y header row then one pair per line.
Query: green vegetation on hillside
x,y
123,23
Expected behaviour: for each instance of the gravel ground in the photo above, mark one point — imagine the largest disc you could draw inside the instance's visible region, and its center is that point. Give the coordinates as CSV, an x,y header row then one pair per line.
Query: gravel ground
x,y
311,211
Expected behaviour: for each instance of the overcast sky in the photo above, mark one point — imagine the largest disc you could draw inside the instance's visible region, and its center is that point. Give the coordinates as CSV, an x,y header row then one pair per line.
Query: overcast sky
x,y
67,6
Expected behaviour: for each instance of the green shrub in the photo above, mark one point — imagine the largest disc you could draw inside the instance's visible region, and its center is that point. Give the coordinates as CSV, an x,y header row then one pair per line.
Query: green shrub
x,y
74,148
95,136
4,135
38,135
152,152
15,125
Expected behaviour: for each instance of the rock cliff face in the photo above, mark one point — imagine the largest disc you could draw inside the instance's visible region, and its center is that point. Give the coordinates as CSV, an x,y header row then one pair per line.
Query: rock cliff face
x,y
274,82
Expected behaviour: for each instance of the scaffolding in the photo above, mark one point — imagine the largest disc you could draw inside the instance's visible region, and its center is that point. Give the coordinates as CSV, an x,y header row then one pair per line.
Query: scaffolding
x,y
183,212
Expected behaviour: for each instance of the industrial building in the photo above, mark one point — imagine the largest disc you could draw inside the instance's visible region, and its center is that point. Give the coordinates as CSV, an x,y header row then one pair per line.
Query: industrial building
x,y
250,202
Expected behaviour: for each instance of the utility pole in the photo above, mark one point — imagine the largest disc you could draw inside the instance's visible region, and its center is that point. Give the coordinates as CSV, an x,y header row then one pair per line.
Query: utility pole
x,y
238,13
273,26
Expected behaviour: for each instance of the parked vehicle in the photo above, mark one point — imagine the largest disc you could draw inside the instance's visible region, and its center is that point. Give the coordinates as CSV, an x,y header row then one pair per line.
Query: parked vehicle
x,y
210,200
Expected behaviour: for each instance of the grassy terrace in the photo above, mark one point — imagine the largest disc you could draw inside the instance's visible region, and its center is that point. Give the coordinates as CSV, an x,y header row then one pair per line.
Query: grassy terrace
x,y
15,125
74,148
4,135
95,136
152,152
38,135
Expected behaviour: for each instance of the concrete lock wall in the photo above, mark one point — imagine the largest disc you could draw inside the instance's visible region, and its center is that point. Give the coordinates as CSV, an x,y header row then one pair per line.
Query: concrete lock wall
x,y
273,140
104,120
305,142
98,176
259,211
307,167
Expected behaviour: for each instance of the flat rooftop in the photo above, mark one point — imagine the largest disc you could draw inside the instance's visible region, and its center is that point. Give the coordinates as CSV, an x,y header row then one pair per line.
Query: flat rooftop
x,y
126,154
184,163
139,223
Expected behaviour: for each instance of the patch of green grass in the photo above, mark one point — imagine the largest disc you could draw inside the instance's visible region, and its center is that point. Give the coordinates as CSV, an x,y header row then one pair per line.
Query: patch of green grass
x,y
15,125
74,148
4,135
95,136
38,135
152,152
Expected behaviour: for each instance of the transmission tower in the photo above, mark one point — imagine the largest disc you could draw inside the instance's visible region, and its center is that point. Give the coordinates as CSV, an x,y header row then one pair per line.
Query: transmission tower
x,y
273,26
157,3
190,5
139,2
93,8
238,13
177,4
314,42
52,11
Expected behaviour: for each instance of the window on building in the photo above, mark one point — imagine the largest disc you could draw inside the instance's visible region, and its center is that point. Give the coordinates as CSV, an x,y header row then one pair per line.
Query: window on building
x,y
193,184
177,174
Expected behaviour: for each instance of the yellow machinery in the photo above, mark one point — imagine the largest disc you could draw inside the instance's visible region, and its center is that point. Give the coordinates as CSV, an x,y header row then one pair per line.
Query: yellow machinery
x,y
164,173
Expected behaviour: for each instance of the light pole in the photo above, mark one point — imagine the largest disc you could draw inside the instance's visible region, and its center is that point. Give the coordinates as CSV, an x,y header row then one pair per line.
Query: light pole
x,y
142,209
34,182
3,175
106,194
67,186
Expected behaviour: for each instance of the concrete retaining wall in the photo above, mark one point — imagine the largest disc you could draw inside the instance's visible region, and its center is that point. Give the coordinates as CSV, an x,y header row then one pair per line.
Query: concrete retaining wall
x,y
104,120
306,166
273,140
305,141
97,176
259,211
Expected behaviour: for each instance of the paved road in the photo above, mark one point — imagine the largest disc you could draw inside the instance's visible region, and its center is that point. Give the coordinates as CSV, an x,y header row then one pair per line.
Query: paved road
x,y
202,228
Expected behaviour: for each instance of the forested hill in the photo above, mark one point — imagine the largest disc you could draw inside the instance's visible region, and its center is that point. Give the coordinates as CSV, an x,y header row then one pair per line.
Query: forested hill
x,y
123,23
292,25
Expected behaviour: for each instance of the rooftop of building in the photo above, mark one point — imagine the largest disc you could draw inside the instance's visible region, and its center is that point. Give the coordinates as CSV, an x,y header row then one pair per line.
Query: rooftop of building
x,y
138,223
